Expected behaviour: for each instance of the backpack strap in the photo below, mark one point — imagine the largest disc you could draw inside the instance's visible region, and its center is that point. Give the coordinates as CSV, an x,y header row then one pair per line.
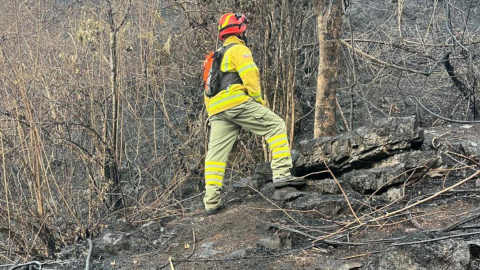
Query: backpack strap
x,y
228,78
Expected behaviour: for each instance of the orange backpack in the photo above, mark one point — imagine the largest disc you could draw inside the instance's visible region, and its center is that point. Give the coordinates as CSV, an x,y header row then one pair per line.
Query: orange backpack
x,y
213,79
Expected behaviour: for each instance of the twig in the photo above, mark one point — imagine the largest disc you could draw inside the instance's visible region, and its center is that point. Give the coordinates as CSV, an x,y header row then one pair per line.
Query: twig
x,y
371,104
312,173
365,254
464,157
171,263
342,115
333,242
473,226
170,259
434,239
194,244
412,219
339,186
270,201
378,61
466,92
450,26
286,253
15,265
463,221
37,263
395,45
428,198
444,118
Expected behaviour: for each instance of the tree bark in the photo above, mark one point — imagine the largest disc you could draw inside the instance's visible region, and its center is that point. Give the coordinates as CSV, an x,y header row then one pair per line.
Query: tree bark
x,y
329,24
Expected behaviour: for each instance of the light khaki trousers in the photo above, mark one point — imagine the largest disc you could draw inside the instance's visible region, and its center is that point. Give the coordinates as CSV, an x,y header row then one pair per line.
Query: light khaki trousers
x,y
226,126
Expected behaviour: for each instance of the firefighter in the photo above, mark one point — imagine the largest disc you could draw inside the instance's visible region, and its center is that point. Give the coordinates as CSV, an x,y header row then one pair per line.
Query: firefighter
x,y
240,105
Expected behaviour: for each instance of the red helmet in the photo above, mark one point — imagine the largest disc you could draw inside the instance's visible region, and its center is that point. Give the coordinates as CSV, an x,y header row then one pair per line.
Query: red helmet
x,y
232,23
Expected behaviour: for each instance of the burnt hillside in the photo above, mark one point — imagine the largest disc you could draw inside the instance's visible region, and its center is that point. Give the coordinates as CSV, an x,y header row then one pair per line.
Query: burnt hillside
x,y
102,115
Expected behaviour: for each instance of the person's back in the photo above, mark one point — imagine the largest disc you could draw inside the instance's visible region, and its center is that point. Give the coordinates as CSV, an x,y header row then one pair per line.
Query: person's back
x,y
240,105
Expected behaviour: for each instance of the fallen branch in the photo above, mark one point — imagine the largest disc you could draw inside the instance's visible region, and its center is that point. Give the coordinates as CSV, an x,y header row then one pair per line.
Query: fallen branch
x,y
16,265
463,221
338,243
473,226
286,253
30,264
434,240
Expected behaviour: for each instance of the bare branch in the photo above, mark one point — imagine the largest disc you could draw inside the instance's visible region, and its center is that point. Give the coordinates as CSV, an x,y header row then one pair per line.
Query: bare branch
x,y
442,117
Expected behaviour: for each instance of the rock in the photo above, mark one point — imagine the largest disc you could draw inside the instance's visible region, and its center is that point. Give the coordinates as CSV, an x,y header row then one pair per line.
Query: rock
x,y
268,190
448,254
236,254
287,194
417,162
412,159
471,149
458,140
242,183
207,251
263,169
394,194
294,154
121,225
474,247
326,204
370,180
163,240
350,266
281,241
112,243
361,146
72,251
152,227
262,174
392,171
477,183
326,186
150,235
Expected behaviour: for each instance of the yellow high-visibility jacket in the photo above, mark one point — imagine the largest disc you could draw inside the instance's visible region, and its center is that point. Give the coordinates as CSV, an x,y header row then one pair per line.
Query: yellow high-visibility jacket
x,y
237,58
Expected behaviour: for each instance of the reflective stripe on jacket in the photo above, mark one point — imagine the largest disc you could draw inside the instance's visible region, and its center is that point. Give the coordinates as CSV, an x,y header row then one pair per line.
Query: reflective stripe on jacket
x,y
237,59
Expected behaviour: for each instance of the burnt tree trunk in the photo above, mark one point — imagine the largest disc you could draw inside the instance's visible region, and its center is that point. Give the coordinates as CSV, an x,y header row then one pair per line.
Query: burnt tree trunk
x,y
111,132
329,24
